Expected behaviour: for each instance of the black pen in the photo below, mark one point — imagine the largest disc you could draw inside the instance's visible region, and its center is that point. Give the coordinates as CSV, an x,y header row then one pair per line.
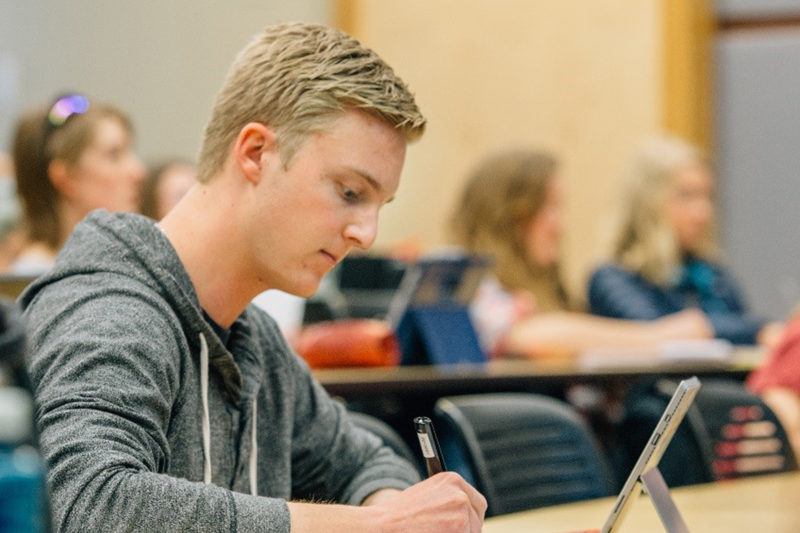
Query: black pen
x,y
429,444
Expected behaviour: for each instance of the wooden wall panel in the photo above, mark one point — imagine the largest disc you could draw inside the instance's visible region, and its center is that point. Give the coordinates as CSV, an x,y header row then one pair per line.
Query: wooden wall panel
x,y
688,36
581,78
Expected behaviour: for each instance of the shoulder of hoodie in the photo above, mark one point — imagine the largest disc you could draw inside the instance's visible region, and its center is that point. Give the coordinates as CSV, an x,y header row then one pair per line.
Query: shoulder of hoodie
x,y
79,292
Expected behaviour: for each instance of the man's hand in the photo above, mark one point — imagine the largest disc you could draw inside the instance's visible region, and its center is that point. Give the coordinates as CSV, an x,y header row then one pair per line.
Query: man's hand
x,y
443,503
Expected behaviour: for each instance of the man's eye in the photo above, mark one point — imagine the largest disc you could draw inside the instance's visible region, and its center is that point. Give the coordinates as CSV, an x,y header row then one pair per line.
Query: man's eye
x,y
350,195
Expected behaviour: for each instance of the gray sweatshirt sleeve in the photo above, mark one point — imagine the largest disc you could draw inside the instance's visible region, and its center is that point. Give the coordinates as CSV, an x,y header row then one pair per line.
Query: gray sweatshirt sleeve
x,y
335,461
104,394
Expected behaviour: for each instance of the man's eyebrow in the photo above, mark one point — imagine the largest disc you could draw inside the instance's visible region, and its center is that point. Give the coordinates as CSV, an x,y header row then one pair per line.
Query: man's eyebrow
x,y
375,184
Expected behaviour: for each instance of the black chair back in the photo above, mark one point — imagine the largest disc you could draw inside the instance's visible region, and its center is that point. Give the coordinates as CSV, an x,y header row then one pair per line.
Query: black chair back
x,y
728,433
521,450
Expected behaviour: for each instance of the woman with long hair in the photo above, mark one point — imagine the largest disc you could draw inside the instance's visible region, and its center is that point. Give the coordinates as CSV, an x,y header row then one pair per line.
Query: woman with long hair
x,y
70,157
511,211
662,250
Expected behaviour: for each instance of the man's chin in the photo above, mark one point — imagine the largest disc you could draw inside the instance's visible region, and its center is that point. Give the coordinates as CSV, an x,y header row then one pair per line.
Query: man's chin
x,y
304,290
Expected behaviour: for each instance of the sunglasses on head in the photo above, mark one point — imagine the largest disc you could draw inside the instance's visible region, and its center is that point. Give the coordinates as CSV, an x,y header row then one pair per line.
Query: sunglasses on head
x,y
64,107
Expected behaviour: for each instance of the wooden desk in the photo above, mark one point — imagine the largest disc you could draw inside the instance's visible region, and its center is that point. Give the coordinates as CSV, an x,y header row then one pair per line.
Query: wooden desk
x,y
768,504
11,285
509,374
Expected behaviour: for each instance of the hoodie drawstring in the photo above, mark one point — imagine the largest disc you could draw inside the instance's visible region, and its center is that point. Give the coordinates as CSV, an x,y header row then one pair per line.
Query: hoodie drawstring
x,y
254,452
253,463
206,420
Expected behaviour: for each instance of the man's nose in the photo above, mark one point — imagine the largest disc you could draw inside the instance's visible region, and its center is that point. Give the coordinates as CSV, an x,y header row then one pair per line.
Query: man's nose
x,y
363,231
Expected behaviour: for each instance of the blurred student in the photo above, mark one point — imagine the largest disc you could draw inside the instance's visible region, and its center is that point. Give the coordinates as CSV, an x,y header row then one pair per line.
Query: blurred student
x,y
165,185
778,381
511,210
165,402
11,236
664,256
70,157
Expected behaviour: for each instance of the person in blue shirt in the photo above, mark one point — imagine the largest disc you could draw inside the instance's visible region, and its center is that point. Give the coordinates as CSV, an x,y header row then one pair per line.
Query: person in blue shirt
x,y
663,255
511,210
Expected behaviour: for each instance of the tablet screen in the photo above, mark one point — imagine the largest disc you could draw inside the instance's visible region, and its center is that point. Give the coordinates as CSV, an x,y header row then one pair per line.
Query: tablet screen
x,y
656,446
441,282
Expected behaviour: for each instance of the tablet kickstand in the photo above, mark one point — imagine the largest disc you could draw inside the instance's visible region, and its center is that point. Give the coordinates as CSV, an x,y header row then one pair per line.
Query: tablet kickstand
x,y
657,488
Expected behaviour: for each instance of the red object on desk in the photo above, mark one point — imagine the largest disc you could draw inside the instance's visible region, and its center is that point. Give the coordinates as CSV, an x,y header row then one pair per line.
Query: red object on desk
x,y
349,343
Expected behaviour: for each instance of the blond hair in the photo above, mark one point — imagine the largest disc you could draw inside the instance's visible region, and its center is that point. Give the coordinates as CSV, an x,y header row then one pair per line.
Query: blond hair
x,y
296,78
502,195
641,238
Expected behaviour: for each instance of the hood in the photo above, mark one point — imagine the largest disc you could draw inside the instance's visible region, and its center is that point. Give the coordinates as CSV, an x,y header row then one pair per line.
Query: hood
x,y
133,246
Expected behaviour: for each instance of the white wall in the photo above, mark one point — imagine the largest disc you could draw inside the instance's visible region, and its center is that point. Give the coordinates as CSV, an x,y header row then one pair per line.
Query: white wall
x,y
161,61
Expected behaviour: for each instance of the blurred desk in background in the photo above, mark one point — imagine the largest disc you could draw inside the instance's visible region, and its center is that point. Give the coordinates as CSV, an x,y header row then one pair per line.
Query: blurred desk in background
x,y
398,394
11,285
768,504
521,374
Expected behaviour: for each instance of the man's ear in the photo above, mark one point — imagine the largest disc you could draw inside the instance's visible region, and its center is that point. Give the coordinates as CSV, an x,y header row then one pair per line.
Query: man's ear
x,y
58,174
253,142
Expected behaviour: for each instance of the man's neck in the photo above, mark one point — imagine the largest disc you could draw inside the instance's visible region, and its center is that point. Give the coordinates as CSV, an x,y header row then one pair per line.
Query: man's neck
x,y
209,249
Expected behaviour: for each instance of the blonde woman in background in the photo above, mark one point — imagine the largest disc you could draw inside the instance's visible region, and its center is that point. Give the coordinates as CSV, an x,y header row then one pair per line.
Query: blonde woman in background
x,y
511,210
70,158
662,249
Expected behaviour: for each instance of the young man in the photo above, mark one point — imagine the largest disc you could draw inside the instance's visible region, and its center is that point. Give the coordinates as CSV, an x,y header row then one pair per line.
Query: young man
x,y
165,403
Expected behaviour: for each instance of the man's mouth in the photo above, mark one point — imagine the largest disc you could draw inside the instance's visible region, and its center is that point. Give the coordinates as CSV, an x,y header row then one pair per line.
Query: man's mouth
x,y
334,259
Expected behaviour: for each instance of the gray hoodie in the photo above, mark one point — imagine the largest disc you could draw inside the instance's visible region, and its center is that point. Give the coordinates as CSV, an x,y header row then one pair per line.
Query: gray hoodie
x,y
118,353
